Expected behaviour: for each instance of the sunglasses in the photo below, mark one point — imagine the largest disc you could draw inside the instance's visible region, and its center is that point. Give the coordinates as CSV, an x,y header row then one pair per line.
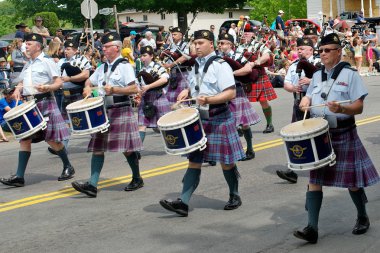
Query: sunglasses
x,y
326,50
222,43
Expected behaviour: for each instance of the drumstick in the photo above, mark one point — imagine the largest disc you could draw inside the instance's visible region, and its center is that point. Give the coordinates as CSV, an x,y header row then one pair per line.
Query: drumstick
x,y
304,117
85,99
321,105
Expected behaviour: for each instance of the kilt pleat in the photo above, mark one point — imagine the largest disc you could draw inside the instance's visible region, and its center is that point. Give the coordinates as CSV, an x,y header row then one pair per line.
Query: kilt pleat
x,y
182,82
262,90
353,167
122,135
242,110
162,104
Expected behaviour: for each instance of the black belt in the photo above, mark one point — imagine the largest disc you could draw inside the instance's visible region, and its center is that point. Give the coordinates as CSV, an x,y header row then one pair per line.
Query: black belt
x,y
71,92
17,69
216,109
119,101
40,97
300,94
344,123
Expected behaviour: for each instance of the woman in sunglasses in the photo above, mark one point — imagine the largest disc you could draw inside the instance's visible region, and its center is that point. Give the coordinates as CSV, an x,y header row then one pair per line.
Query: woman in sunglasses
x,y
353,169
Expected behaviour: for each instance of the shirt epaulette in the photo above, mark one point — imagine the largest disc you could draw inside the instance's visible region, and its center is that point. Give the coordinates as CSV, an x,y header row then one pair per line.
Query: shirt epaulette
x,y
221,61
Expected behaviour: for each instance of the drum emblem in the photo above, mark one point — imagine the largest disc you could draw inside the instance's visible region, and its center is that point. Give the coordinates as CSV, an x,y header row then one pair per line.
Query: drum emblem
x,y
171,139
76,121
297,150
99,113
17,126
34,113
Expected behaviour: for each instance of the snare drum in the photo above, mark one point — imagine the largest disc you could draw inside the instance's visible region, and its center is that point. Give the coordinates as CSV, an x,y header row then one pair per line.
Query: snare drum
x,y
182,131
88,116
25,120
308,144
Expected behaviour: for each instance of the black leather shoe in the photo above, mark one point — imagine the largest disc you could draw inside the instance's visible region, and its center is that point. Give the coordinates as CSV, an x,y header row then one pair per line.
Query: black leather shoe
x,y
13,181
308,234
52,151
249,155
176,206
211,163
85,188
361,226
138,155
233,203
269,129
289,175
67,173
240,132
135,184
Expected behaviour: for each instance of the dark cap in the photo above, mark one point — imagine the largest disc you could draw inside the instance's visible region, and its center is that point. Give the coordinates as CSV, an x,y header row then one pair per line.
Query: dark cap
x,y
226,36
59,30
106,30
34,37
177,30
70,43
21,25
38,18
331,38
147,50
304,42
309,31
8,91
203,34
112,36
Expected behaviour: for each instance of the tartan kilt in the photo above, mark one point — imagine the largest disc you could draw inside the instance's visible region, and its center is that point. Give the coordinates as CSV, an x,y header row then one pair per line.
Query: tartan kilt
x,y
162,104
66,102
353,167
223,141
122,135
242,110
171,94
262,90
56,129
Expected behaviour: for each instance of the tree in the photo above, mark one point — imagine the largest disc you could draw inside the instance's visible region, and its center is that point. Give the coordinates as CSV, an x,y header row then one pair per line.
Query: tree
x,y
292,9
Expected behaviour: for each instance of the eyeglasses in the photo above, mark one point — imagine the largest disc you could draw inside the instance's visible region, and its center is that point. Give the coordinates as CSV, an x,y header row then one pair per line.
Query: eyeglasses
x,y
221,43
326,50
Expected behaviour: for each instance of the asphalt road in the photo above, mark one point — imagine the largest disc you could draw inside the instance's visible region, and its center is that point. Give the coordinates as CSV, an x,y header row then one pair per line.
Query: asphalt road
x,y
49,216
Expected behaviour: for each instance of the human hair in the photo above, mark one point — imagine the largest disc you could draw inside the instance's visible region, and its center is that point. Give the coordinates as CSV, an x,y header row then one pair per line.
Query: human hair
x,y
148,33
127,43
355,41
53,50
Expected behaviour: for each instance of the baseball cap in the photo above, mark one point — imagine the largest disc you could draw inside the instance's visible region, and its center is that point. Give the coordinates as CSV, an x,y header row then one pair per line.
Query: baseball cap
x,y
133,33
8,91
281,12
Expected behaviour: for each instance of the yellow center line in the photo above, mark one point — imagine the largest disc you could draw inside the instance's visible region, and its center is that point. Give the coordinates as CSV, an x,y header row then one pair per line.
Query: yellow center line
x,y
68,191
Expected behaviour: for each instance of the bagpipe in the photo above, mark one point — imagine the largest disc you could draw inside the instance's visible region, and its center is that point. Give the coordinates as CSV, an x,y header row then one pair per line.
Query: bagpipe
x,y
237,64
75,67
307,67
152,76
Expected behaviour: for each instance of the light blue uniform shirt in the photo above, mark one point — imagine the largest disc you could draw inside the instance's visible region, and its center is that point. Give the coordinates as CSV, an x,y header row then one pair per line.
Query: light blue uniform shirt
x,y
121,77
347,86
218,77
41,70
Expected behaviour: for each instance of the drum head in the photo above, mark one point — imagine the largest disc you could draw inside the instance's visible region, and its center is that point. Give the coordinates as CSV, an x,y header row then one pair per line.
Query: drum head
x,y
303,127
19,110
178,116
85,103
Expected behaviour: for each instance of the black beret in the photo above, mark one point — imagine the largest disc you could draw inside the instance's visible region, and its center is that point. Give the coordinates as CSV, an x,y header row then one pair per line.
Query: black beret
x,y
34,37
304,42
147,50
203,34
226,36
309,31
71,43
177,30
112,36
331,38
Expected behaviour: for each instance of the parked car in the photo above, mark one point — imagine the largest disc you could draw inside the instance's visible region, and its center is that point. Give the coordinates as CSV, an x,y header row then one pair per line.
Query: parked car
x,y
303,23
227,24
138,27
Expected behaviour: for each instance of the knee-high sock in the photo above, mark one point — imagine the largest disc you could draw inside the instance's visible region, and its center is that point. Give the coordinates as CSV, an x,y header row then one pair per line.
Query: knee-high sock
x,y
190,183
268,114
63,155
360,199
97,162
314,202
142,135
23,158
248,139
133,162
231,177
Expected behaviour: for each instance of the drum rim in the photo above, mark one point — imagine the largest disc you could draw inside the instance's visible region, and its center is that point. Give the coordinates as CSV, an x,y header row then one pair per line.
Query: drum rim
x,y
15,111
309,133
87,106
180,123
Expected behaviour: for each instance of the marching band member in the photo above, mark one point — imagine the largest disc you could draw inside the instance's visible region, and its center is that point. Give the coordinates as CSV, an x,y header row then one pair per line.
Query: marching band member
x,y
154,104
178,64
297,82
353,169
245,115
116,80
39,79
262,89
213,84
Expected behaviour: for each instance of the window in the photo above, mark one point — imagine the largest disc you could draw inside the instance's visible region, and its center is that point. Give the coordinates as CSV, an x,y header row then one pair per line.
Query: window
x,y
127,18
145,17
162,16
230,14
